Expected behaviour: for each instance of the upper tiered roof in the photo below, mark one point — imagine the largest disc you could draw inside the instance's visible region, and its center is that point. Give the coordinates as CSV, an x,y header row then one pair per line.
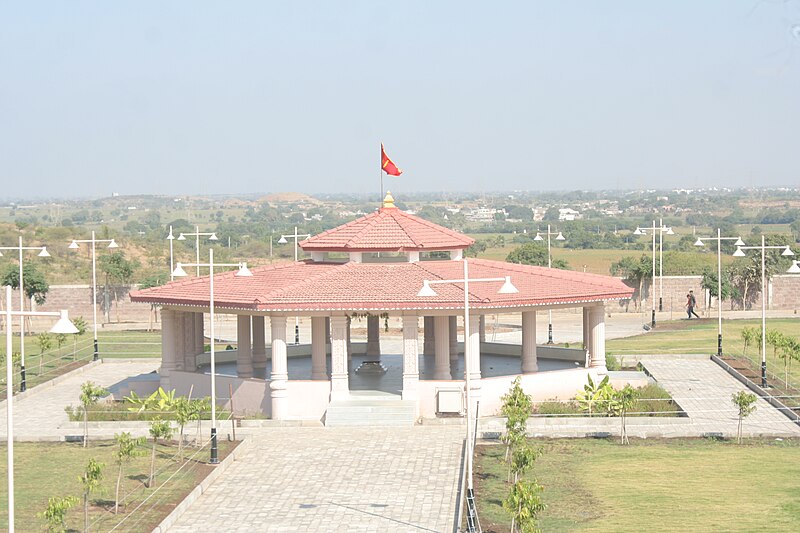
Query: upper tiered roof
x,y
387,230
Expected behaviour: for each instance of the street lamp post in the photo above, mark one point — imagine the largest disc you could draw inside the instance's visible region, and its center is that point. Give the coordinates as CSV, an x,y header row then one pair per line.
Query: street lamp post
x,y
283,240
792,270
559,237
243,272
62,326
23,385
719,239
196,234
74,245
507,288
171,238
661,229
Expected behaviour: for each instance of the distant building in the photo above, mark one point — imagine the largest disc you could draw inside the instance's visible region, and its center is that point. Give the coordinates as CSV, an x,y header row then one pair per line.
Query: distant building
x,y
566,213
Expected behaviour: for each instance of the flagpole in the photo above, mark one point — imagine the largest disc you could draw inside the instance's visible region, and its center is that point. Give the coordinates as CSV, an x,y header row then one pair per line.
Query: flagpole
x,y
380,171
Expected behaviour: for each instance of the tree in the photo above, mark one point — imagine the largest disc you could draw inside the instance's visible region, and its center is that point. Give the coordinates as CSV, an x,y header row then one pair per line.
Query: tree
x,y
524,503
621,402
90,480
159,429
534,254
90,394
183,414
745,404
56,513
118,269
595,396
81,326
516,407
709,282
749,336
522,460
127,449
45,342
633,271
36,286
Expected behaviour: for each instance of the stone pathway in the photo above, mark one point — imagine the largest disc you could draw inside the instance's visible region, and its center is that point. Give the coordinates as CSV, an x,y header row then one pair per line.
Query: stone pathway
x,y
40,414
336,479
703,389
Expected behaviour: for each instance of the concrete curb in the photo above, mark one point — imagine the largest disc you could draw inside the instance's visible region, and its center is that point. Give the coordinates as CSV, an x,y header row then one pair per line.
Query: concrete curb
x,y
55,381
198,491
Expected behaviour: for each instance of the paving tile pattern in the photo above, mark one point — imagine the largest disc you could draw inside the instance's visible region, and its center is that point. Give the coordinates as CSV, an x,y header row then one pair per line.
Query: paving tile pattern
x,y
336,480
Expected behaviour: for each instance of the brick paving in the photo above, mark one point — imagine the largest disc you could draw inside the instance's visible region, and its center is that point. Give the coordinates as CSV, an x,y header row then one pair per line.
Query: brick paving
x,y
703,389
40,414
336,480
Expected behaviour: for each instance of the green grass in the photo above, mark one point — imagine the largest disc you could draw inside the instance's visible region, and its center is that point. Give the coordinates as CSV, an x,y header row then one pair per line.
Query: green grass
x,y
676,485
700,336
43,470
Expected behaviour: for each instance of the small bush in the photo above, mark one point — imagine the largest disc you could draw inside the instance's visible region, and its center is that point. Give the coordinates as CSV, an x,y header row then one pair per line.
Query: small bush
x,y
557,407
612,363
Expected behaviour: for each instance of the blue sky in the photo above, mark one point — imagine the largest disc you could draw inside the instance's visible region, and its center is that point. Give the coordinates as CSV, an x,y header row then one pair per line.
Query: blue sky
x,y
247,97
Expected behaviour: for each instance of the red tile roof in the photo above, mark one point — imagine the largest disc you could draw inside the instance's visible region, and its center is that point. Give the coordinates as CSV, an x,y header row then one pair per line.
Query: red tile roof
x,y
387,230
314,286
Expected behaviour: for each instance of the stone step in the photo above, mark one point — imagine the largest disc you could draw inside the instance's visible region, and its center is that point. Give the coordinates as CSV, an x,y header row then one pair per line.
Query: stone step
x,y
370,412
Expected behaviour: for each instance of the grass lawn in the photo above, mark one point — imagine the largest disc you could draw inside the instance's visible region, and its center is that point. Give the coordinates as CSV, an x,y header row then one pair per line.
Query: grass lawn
x,y
652,485
700,336
44,470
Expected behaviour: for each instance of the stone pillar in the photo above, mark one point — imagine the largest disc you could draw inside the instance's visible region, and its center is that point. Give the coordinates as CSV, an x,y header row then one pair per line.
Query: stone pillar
x,y
473,337
179,340
319,367
259,346
482,328
587,337
349,343
168,355
327,330
597,316
529,363
410,359
199,334
280,373
340,386
189,354
373,337
427,326
244,347
453,335
441,327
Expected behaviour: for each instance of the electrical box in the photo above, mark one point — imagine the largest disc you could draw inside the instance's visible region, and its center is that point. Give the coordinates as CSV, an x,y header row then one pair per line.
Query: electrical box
x,y
449,401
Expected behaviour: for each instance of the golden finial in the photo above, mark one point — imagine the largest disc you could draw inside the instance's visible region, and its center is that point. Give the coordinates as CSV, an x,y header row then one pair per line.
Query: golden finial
x,y
388,201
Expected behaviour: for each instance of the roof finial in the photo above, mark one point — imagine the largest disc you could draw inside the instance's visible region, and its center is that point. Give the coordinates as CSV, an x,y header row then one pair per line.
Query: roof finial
x,y
388,201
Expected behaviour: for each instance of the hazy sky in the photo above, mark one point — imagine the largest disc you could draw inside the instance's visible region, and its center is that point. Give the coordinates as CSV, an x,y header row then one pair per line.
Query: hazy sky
x,y
245,97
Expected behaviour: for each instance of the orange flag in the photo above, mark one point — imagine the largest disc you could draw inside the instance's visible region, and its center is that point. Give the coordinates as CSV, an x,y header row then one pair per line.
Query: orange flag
x,y
387,165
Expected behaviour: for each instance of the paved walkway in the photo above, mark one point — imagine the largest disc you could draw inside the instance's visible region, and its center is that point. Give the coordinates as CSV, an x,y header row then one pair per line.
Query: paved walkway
x,y
704,391
336,480
40,414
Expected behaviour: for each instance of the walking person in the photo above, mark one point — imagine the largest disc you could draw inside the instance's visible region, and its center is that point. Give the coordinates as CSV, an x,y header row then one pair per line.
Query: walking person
x,y
691,303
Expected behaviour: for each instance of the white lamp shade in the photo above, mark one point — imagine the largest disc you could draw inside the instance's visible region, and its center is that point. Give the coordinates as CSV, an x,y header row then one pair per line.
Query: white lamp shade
x,y
64,324
739,242
179,271
788,251
670,232
244,271
698,242
170,236
538,238
213,237
282,240
426,290
73,246
739,252
44,252
508,287
794,269
181,237
638,231
560,237
1,254
113,244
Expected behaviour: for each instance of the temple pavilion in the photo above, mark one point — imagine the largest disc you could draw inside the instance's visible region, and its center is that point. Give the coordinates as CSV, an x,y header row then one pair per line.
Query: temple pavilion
x,y
370,272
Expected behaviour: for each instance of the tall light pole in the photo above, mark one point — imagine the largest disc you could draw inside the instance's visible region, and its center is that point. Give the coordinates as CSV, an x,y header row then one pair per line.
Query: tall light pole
x,y
62,326
719,239
559,237
792,270
283,240
196,234
171,238
23,385
74,245
661,229
507,288
243,272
